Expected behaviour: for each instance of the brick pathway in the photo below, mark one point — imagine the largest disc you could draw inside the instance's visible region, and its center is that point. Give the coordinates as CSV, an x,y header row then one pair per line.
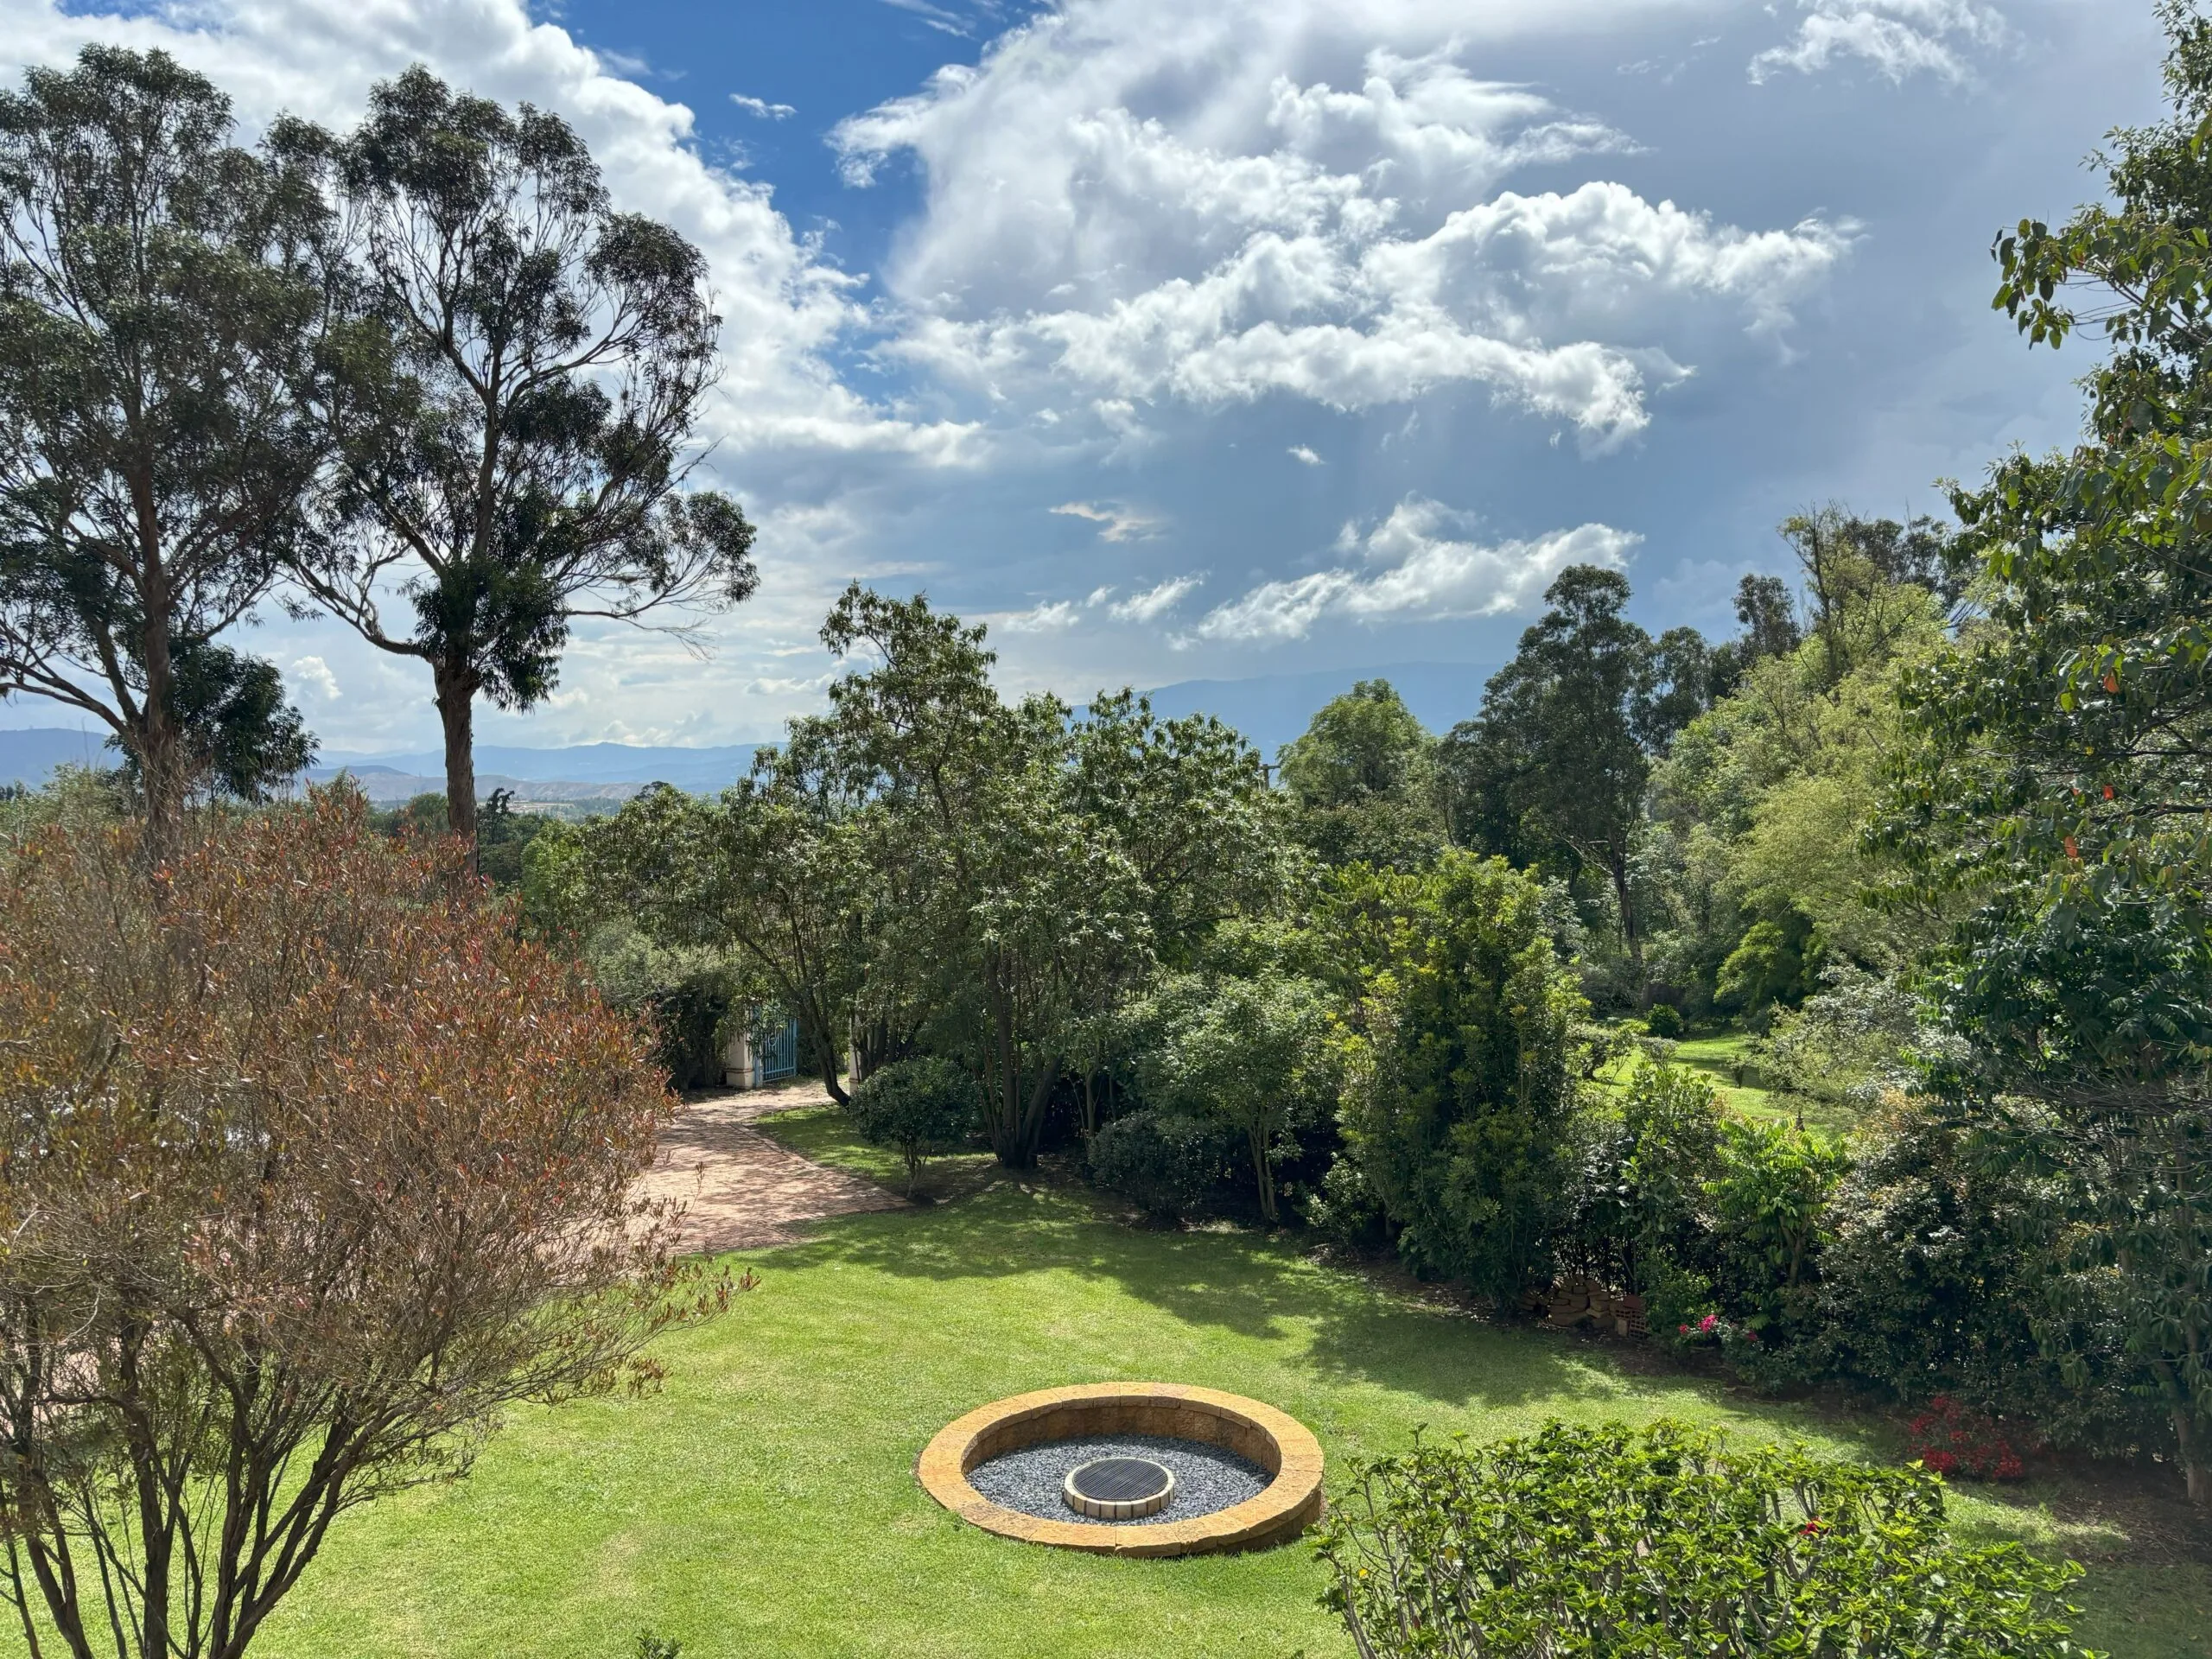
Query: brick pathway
x,y
739,1189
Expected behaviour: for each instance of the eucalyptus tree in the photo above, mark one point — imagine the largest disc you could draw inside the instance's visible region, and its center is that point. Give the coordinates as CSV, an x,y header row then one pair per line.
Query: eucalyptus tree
x,y
519,424
1556,764
160,319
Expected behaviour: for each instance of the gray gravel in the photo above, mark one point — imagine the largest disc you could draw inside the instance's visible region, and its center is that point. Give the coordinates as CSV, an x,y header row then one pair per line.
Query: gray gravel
x,y
1207,1477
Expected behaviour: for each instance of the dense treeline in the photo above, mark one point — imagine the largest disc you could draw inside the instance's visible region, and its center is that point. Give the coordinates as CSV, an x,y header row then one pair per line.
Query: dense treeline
x,y
1921,846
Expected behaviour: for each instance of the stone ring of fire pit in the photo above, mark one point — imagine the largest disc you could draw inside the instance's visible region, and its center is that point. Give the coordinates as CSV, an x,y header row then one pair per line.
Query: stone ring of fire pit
x,y
1278,1443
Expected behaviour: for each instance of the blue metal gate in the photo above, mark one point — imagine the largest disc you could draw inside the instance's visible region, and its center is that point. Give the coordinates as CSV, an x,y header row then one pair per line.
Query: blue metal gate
x,y
778,1055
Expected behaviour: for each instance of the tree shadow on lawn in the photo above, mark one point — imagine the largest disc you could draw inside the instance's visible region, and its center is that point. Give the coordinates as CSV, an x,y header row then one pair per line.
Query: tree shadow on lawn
x,y
1344,1325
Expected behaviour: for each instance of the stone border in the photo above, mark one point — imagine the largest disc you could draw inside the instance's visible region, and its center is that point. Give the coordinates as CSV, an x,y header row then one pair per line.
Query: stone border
x,y
1277,1442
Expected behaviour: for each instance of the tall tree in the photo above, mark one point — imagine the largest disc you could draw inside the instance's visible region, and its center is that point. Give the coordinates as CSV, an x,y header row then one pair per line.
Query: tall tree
x,y
2064,774
776,870
159,316
519,424
1008,908
1558,760
1363,778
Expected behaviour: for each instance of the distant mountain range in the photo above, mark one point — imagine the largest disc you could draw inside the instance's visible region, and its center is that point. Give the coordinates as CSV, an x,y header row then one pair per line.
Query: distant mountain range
x,y
1269,711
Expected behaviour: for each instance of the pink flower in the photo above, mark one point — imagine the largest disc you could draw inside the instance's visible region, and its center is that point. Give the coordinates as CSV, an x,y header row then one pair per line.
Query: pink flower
x,y
1705,1326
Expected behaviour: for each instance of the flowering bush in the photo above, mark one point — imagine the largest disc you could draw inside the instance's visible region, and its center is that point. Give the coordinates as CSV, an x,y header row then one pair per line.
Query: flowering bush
x,y
1715,1328
1954,1440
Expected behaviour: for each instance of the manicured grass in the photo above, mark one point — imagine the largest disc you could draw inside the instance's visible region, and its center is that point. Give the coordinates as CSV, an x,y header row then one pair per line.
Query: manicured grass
x,y
1727,1059
763,1503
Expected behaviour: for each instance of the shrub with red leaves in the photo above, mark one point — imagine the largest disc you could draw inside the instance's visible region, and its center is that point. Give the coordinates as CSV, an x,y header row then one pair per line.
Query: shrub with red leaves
x,y
310,1164
1953,1440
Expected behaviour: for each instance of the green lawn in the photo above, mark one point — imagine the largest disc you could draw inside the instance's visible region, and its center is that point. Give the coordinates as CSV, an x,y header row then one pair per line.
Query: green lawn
x,y
1727,1060
764,1504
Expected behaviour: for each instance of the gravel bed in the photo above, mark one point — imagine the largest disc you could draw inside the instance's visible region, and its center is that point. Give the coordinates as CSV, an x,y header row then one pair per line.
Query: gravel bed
x,y
1207,1477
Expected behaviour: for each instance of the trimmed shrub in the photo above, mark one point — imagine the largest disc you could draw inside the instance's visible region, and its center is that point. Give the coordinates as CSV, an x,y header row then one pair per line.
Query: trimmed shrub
x,y
1666,1543
1665,1020
921,1107
1166,1164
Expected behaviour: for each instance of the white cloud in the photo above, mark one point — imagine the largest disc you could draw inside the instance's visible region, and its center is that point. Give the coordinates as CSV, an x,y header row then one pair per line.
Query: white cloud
x,y
761,107
784,307
945,23
1116,524
1056,617
1298,452
314,674
1899,38
1176,209
1411,569
1155,602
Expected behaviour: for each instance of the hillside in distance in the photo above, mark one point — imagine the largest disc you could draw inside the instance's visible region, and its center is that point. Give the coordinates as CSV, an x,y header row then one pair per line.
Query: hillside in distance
x,y
1269,711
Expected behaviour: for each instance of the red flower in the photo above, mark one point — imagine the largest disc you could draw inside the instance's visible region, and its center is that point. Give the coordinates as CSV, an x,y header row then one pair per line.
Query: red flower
x,y
1705,1326
1811,1528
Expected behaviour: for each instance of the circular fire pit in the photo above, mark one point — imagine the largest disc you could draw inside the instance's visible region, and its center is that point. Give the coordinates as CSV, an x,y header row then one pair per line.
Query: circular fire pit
x,y
1146,1437
1118,1489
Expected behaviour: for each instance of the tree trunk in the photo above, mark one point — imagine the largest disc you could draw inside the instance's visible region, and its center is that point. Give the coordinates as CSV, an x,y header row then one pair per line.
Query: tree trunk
x,y
1630,934
1040,1096
1007,1140
1267,1175
819,1034
457,700
161,765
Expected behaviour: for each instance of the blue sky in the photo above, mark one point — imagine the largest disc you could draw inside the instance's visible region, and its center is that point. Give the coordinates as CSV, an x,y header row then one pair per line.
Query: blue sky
x,y
1257,336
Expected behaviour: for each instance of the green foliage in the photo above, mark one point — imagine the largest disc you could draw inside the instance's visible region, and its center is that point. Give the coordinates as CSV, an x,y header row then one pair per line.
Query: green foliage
x,y
1254,1054
160,313
515,399
1663,1021
648,1646
1943,1275
1168,1165
945,873
1668,1543
921,1106
1643,1163
1860,1038
1768,965
688,995
1365,780
504,838
1460,1095
1769,1199
1755,867
1553,770
2056,786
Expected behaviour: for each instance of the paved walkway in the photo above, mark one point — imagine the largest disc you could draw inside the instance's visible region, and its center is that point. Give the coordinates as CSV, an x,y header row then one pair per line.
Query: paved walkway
x,y
739,1189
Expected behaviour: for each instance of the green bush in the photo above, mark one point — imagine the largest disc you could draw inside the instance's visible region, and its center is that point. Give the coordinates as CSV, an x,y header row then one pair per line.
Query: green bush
x,y
1665,1020
1665,1543
1165,1164
1637,1217
921,1106
686,995
1771,1222
1459,1107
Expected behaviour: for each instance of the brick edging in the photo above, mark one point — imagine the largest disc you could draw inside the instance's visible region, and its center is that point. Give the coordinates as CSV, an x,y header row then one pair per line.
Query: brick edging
x,y
1291,1502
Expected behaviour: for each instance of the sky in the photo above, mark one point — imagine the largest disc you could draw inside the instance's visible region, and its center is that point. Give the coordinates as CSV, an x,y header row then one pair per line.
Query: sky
x,y
1216,340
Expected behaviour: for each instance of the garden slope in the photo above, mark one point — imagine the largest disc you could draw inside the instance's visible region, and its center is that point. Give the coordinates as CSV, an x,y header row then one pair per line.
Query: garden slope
x,y
764,1506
